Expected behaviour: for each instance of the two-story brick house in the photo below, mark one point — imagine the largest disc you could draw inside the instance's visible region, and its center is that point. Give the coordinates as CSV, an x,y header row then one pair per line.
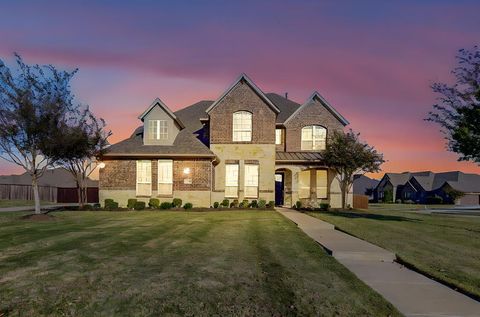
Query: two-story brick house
x,y
244,145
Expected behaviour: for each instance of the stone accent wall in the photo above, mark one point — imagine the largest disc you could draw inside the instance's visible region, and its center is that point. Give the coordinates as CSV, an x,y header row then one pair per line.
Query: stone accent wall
x,y
312,114
200,175
242,97
118,174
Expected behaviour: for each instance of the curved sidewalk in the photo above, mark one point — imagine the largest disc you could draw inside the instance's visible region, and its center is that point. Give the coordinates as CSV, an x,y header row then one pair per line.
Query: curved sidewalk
x,y
412,293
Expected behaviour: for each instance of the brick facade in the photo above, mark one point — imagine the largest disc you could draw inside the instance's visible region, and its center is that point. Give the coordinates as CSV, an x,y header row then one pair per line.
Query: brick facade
x,y
312,114
242,97
121,175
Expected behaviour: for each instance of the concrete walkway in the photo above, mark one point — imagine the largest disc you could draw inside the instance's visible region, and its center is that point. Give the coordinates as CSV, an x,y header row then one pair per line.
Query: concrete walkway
x,y
412,293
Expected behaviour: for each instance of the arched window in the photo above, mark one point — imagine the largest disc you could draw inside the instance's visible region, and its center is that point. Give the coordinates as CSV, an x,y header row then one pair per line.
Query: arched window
x,y
242,126
314,137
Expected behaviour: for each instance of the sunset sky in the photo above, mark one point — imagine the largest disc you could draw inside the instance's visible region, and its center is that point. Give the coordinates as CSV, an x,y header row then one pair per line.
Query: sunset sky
x,y
372,60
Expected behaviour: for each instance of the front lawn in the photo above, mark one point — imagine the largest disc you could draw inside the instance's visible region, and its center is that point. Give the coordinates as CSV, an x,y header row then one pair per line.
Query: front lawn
x,y
446,247
232,263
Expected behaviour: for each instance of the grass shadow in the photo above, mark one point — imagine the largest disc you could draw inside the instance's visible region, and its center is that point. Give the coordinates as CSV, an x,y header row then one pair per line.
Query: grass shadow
x,y
364,215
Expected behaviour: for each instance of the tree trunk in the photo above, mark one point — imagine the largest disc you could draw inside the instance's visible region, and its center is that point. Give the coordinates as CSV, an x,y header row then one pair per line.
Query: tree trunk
x,y
344,195
36,195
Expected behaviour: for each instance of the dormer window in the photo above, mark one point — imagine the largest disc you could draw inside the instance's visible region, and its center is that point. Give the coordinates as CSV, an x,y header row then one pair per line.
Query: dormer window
x,y
157,130
242,126
314,138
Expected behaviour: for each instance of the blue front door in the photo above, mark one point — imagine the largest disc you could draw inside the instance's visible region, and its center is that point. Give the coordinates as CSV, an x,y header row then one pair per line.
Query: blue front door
x,y
279,182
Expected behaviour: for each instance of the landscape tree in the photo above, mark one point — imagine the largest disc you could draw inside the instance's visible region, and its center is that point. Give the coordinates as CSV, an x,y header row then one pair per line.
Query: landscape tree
x,y
458,108
82,138
347,156
34,100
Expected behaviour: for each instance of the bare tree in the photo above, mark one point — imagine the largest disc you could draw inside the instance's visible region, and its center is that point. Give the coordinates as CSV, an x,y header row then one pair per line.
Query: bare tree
x,y
34,100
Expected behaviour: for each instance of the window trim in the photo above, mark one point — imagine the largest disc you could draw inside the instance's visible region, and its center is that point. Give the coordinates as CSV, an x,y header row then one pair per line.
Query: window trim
x,y
281,136
170,182
313,139
155,130
236,131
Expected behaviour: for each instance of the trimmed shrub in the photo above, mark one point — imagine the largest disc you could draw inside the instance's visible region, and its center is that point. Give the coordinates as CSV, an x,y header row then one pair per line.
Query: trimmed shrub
x,y
271,204
176,203
154,203
225,203
324,206
139,205
242,205
245,203
216,204
262,203
87,207
298,204
131,203
188,206
234,203
108,201
253,204
434,200
166,205
110,204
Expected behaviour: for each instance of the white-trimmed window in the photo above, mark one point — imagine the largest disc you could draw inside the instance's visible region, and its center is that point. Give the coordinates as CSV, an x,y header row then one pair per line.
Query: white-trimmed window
x,y
304,184
144,178
165,177
158,129
251,181
322,184
278,136
314,137
242,126
231,180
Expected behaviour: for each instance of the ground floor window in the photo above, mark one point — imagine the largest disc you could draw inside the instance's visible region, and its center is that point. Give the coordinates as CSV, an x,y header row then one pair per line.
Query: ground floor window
x,y
231,180
322,184
251,181
304,184
165,177
144,178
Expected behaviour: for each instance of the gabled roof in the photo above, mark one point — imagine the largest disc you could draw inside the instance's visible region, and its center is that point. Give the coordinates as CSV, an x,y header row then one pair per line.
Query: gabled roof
x,y
192,114
185,144
286,106
317,96
244,77
163,106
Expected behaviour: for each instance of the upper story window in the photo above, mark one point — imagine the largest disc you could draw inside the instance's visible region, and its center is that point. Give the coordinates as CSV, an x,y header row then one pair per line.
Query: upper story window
x,y
278,136
242,126
314,137
157,129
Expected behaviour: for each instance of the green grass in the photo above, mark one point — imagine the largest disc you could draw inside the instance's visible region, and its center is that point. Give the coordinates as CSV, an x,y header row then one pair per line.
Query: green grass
x,y
446,247
406,207
248,263
4,203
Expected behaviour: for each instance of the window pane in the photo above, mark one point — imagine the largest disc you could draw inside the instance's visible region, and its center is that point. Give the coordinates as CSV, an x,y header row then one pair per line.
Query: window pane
x,y
251,181
144,178
165,177
231,180
304,184
278,136
322,183
319,137
162,130
153,129
242,126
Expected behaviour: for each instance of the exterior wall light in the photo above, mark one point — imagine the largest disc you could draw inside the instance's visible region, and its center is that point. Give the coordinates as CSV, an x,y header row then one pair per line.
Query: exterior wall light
x,y
101,165
186,170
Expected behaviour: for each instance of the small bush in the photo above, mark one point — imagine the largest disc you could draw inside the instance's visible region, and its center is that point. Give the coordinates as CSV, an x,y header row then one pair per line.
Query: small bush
x,y
234,203
110,205
225,203
87,207
108,201
434,200
245,203
242,205
139,205
166,205
262,203
176,203
271,204
216,204
154,203
131,203
298,204
188,206
253,204
96,206
398,201
324,206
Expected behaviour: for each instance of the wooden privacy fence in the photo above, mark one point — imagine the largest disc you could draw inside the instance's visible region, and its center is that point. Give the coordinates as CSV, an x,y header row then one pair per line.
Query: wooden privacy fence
x,y
25,192
360,201
47,193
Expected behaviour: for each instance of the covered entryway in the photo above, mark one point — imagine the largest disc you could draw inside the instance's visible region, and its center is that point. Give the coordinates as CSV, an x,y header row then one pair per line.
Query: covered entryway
x,y
283,187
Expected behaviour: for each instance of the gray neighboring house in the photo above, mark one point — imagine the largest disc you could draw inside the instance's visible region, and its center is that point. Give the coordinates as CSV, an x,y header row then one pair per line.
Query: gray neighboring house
x,y
362,183
418,186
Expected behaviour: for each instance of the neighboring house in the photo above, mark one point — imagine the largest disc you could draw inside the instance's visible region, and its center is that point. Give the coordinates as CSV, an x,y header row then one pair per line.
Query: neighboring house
x,y
54,177
363,184
244,145
418,186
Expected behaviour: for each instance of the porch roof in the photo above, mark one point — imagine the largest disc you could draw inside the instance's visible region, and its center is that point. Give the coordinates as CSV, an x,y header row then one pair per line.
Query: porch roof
x,y
313,157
